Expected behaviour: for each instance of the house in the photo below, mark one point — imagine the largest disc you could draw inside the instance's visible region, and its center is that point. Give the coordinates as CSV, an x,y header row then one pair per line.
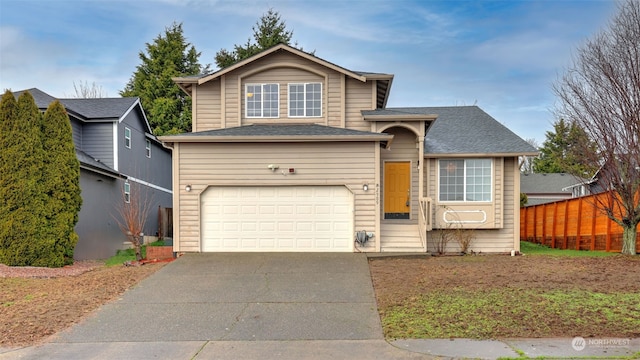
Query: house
x,y
117,155
290,152
549,187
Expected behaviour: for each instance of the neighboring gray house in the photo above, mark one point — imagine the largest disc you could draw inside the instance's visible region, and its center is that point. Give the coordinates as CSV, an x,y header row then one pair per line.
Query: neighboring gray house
x,y
546,188
116,151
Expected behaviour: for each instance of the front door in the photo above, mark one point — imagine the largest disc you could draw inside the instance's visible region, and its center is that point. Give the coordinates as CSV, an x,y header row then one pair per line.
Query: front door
x,y
397,190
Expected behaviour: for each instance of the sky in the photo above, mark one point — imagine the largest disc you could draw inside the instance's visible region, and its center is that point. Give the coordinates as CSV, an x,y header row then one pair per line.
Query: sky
x,y
503,56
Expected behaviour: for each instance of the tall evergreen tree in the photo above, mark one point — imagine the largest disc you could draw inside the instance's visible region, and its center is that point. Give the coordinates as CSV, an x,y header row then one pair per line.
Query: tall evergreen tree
x,y
21,226
61,172
170,55
8,119
560,152
269,31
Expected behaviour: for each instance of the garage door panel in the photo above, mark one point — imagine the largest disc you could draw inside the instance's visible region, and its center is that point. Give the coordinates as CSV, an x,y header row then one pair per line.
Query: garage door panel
x,y
293,218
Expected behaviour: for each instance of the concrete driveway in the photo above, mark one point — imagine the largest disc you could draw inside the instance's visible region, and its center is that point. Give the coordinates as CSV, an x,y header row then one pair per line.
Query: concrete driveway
x,y
231,306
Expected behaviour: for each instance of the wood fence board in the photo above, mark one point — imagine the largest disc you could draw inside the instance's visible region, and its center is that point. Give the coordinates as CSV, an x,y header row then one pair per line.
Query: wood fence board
x,y
572,224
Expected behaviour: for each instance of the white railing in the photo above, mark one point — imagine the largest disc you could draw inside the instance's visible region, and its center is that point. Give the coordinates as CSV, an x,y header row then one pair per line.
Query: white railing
x,y
424,221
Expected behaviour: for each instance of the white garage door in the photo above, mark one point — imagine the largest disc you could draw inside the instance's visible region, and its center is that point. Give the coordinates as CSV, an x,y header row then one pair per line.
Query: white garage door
x,y
277,218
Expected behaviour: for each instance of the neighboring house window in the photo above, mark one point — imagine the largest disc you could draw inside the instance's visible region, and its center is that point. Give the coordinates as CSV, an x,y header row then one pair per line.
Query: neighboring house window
x,y
127,138
127,192
305,99
148,148
262,100
465,180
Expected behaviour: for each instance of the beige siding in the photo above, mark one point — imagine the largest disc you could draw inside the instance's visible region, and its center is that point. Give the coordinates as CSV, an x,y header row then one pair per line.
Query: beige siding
x,y
220,103
359,96
201,165
487,240
208,107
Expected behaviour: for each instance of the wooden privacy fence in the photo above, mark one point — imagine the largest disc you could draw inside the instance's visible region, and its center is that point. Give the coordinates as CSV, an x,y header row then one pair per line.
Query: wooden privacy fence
x,y
165,222
572,224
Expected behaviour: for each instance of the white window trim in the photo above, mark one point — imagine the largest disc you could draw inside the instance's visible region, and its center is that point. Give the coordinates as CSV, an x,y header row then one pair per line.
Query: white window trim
x,y
304,101
464,185
246,102
126,129
147,148
127,192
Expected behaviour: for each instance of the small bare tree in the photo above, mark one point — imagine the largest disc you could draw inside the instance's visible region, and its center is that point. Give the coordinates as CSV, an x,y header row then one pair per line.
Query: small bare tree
x,y
88,91
526,162
132,213
464,237
601,93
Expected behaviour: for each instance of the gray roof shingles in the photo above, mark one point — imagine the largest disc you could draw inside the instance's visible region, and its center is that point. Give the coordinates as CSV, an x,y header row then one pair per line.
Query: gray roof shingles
x,y
92,162
99,108
547,183
103,108
281,130
463,130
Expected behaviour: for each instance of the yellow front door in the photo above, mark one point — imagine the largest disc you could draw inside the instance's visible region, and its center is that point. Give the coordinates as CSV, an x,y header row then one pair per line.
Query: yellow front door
x,y
397,190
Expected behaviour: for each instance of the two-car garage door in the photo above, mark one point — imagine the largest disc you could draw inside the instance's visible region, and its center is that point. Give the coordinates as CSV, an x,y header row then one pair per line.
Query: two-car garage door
x,y
277,218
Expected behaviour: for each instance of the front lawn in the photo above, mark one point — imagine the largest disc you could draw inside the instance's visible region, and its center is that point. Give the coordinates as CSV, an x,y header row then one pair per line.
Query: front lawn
x,y
498,296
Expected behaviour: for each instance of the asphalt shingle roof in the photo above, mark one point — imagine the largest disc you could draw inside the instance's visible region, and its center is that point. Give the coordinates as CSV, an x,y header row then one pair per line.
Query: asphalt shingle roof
x,y
99,108
547,183
280,130
463,130
90,161
102,108
470,130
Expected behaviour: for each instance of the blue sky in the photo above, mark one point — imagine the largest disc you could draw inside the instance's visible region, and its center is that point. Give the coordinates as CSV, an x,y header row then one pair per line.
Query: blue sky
x,y
500,55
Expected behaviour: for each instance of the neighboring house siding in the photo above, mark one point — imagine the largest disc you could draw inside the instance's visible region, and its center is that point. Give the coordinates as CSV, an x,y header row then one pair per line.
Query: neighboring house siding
x,y
156,170
97,141
489,240
76,128
238,164
359,96
100,236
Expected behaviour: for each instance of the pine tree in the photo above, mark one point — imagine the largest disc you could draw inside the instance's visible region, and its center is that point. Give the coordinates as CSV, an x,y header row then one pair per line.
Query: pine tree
x,y
62,181
269,31
22,228
168,108
561,151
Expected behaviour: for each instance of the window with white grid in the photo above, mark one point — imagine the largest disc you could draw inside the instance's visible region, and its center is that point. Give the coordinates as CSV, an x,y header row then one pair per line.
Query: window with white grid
x,y
262,100
465,180
305,100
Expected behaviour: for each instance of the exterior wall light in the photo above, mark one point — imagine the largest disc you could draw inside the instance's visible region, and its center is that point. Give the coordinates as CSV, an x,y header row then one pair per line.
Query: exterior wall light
x,y
187,188
365,187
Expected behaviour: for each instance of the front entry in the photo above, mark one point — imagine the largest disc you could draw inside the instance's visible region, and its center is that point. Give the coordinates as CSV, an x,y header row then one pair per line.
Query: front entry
x,y
397,190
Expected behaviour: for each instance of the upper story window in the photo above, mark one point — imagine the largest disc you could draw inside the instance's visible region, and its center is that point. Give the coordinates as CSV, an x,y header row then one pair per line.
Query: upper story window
x,y
262,100
147,148
127,138
465,180
305,100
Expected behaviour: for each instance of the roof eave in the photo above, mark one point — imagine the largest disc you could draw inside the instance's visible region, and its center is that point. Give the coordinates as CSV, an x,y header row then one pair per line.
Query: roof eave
x,y
101,171
273,138
276,48
478,155
185,84
404,117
